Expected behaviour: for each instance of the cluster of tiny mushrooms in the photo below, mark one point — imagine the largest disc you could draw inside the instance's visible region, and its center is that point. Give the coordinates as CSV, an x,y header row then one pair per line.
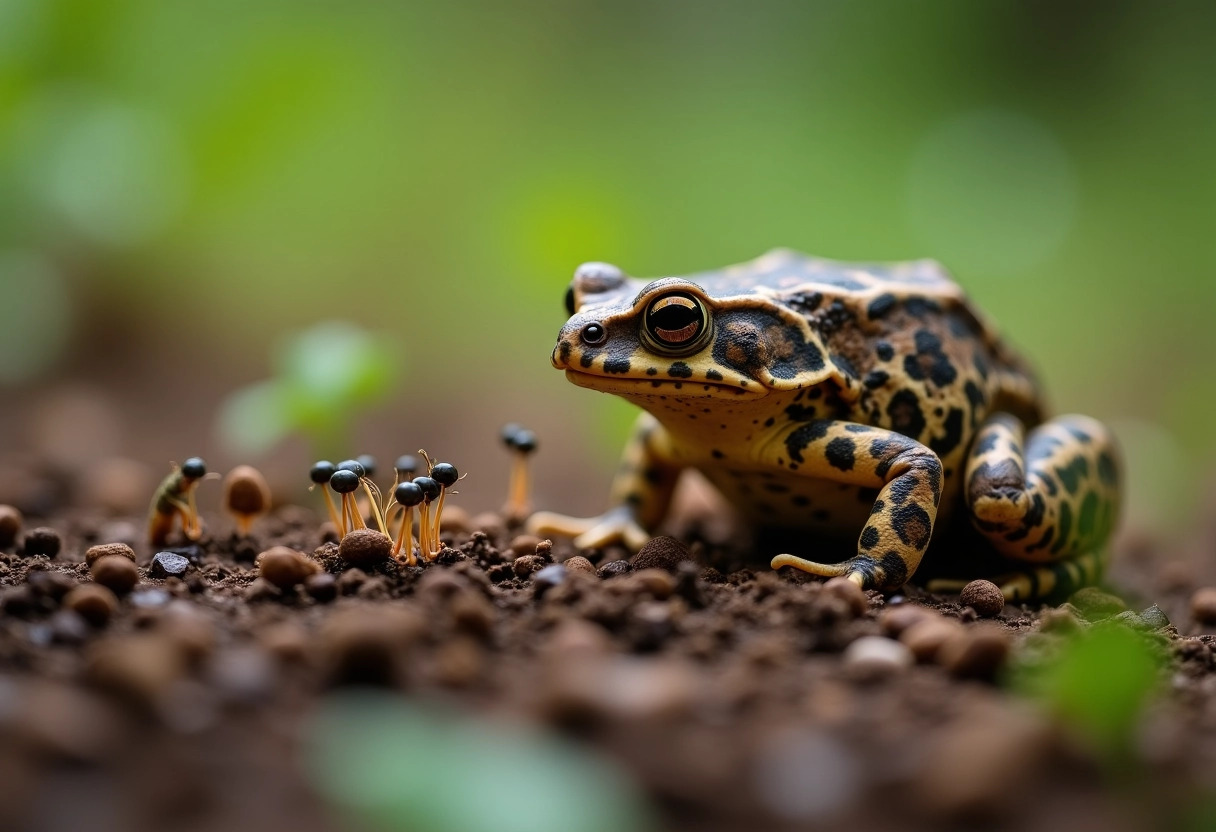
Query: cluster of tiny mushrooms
x,y
247,496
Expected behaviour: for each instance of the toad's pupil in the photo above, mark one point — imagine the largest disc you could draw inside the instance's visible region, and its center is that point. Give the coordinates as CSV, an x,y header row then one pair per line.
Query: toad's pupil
x,y
675,320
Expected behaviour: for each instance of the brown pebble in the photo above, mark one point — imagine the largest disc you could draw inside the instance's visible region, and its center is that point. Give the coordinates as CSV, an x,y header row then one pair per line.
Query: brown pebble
x,y
975,652
10,525
895,620
657,583
661,552
1203,605
455,519
41,541
524,544
116,573
101,550
365,547
526,565
925,638
93,602
578,563
246,493
984,597
322,587
850,593
286,567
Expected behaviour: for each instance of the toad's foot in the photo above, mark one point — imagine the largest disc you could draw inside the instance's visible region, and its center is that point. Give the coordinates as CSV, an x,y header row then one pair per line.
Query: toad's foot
x,y
617,525
864,571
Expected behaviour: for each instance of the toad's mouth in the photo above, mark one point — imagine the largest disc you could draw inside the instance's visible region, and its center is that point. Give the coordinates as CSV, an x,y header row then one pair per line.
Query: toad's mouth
x,y
625,385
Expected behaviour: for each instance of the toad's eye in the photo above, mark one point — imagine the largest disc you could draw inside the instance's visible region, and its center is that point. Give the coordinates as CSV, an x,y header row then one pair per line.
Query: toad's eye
x,y
676,323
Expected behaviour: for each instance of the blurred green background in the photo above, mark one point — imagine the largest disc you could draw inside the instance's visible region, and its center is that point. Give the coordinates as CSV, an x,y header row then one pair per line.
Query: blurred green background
x,y
184,184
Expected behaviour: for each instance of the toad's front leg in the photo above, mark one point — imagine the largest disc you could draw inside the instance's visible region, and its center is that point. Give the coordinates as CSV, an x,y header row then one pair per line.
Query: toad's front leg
x,y
900,525
641,495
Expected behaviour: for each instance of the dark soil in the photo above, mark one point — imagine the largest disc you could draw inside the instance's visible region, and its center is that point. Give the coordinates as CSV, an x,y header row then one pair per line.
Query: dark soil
x,y
739,700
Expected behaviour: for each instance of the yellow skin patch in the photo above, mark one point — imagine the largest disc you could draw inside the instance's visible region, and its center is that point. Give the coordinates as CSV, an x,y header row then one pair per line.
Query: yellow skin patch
x,y
865,401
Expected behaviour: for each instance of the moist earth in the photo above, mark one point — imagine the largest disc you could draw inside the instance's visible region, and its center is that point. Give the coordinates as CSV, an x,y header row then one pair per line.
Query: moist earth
x,y
736,698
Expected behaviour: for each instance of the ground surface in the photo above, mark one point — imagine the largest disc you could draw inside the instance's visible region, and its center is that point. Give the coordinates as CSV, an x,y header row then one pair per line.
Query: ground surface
x,y
733,697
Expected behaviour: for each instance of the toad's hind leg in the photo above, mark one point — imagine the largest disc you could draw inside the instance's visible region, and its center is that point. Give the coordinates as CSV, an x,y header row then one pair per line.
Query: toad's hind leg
x,y
1055,502
1034,582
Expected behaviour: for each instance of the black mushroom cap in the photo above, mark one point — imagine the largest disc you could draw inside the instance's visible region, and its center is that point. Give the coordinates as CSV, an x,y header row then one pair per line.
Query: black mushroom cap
x,y
194,468
354,466
508,433
322,471
406,464
430,488
408,494
445,473
369,464
344,481
525,441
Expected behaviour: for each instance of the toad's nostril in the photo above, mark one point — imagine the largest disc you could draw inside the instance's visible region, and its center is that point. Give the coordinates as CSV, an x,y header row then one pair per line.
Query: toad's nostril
x,y
593,334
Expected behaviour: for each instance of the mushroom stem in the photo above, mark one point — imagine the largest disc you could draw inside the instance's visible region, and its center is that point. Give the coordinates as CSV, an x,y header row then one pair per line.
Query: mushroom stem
x,y
424,531
339,524
517,490
192,527
438,516
371,498
407,529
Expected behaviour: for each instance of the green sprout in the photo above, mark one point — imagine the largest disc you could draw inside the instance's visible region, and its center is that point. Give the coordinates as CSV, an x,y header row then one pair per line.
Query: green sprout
x,y
387,763
323,378
1098,682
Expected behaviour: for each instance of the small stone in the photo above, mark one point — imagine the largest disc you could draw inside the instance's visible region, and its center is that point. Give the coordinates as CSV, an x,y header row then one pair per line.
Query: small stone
x,y
93,602
895,620
984,597
321,587
18,601
52,585
614,568
167,564
544,549
551,576
1203,605
925,638
286,567
657,583
455,519
975,652
116,573
1154,618
661,552
524,544
850,593
10,525
101,550
524,566
365,547
578,563
262,590
1095,604
41,541
871,658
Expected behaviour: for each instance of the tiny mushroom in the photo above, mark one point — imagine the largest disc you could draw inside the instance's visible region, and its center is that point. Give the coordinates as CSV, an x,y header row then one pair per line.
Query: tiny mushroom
x,y
522,443
246,496
346,483
430,491
446,475
320,475
407,495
